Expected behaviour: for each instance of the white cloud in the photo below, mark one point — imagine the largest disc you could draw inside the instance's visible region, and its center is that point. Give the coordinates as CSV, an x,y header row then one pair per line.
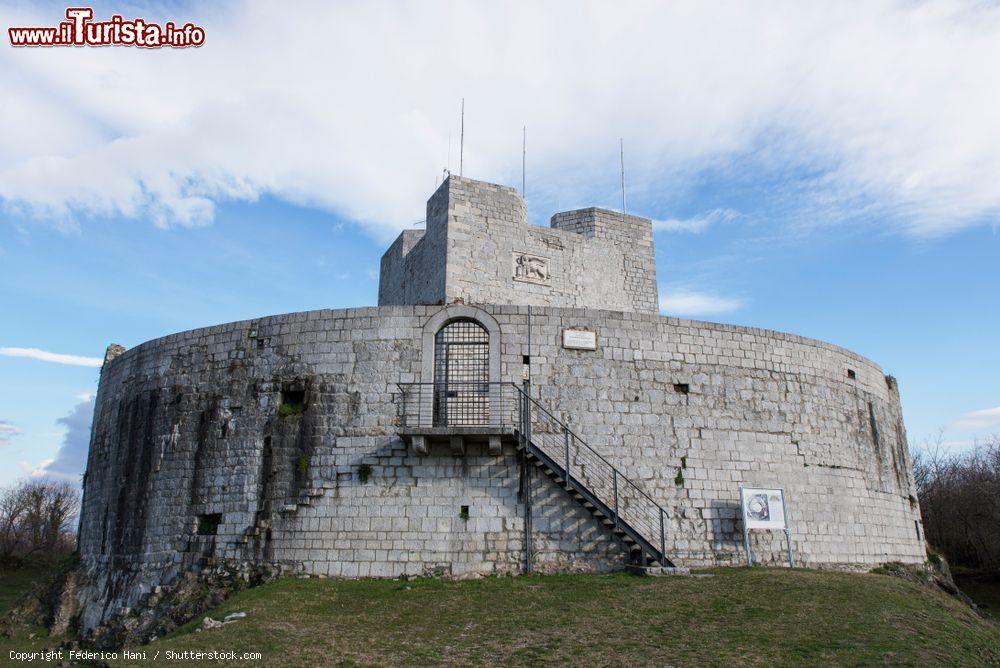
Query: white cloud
x,y
696,224
46,356
689,302
7,431
35,470
71,460
982,419
889,107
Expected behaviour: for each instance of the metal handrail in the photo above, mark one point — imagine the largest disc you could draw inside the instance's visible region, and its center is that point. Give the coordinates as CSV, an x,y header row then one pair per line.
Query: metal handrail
x,y
507,405
586,445
645,523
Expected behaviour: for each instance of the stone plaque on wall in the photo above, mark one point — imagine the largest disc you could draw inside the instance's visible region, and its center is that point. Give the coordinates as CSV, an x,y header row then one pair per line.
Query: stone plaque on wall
x,y
579,339
530,268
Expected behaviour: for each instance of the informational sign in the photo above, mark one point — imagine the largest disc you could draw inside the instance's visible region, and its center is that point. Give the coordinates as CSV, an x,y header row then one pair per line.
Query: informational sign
x,y
764,508
579,339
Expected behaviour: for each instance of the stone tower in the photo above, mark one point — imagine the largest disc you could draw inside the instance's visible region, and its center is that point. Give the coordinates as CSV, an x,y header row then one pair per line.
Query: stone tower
x,y
478,248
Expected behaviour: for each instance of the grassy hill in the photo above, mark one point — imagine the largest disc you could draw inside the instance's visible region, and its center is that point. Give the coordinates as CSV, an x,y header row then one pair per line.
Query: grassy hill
x,y
15,583
733,617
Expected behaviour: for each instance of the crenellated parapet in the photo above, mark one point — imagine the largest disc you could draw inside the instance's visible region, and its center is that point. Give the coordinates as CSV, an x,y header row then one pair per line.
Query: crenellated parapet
x,y
478,248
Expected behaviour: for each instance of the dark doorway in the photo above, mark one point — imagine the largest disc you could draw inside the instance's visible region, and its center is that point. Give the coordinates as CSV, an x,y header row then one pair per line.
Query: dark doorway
x,y
461,374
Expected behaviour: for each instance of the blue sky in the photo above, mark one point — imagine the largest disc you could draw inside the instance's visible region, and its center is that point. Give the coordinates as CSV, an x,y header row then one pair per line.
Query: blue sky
x,y
829,173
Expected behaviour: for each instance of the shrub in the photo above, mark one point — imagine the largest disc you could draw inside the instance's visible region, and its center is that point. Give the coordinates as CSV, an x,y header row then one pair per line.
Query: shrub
x,y
960,502
37,520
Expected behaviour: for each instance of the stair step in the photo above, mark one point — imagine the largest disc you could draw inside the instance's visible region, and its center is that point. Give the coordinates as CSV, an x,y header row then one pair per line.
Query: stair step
x,y
579,491
289,508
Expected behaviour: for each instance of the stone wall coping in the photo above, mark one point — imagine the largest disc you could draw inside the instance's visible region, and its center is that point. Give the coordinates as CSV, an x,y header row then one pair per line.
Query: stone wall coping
x,y
422,311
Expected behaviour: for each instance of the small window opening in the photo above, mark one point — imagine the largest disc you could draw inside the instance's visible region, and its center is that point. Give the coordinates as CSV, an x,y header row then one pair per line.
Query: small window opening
x,y
464,512
852,374
208,525
683,388
293,402
525,367
916,525
225,429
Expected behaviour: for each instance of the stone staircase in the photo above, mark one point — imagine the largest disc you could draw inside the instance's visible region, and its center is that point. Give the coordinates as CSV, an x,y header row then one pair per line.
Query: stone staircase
x,y
305,499
285,511
549,445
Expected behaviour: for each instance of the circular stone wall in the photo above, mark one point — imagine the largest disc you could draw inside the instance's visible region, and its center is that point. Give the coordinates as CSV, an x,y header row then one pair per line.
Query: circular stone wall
x,y
275,441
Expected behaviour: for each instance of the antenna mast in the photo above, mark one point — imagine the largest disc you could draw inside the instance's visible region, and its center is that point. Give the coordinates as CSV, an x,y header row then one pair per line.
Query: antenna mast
x,y
621,143
524,153
461,143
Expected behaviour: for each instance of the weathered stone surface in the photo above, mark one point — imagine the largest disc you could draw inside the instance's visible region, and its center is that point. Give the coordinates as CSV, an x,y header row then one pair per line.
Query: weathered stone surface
x,y
274,442
479,249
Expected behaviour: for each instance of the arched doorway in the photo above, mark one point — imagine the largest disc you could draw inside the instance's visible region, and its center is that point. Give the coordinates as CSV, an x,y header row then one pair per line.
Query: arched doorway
x,y
461,374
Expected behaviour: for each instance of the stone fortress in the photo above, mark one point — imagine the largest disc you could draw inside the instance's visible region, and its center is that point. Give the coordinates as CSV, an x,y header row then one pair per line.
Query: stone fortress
x,y
514,402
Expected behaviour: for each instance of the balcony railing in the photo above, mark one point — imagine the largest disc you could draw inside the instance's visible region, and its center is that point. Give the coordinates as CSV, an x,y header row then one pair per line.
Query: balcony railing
x,y
463,404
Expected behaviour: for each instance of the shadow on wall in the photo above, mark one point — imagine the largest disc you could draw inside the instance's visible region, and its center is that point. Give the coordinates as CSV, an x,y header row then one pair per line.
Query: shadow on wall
x,y
725,529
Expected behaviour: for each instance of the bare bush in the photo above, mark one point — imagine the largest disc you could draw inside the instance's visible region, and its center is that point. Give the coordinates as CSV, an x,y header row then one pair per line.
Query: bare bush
x,y
37,520
960,502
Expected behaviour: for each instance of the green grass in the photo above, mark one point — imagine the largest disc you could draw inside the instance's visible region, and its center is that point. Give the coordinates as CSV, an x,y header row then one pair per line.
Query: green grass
x,y
736,617
745,617
15,583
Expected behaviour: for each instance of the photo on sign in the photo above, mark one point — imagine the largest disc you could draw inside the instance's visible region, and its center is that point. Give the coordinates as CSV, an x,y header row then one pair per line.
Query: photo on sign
x,y
763,508
757,508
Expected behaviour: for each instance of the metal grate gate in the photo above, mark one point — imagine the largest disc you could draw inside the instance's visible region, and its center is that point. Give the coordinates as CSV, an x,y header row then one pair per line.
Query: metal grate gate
x,y
461,374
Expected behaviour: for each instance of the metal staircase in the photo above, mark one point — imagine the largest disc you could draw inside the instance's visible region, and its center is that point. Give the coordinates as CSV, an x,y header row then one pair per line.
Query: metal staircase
x,y
549,445
592,481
